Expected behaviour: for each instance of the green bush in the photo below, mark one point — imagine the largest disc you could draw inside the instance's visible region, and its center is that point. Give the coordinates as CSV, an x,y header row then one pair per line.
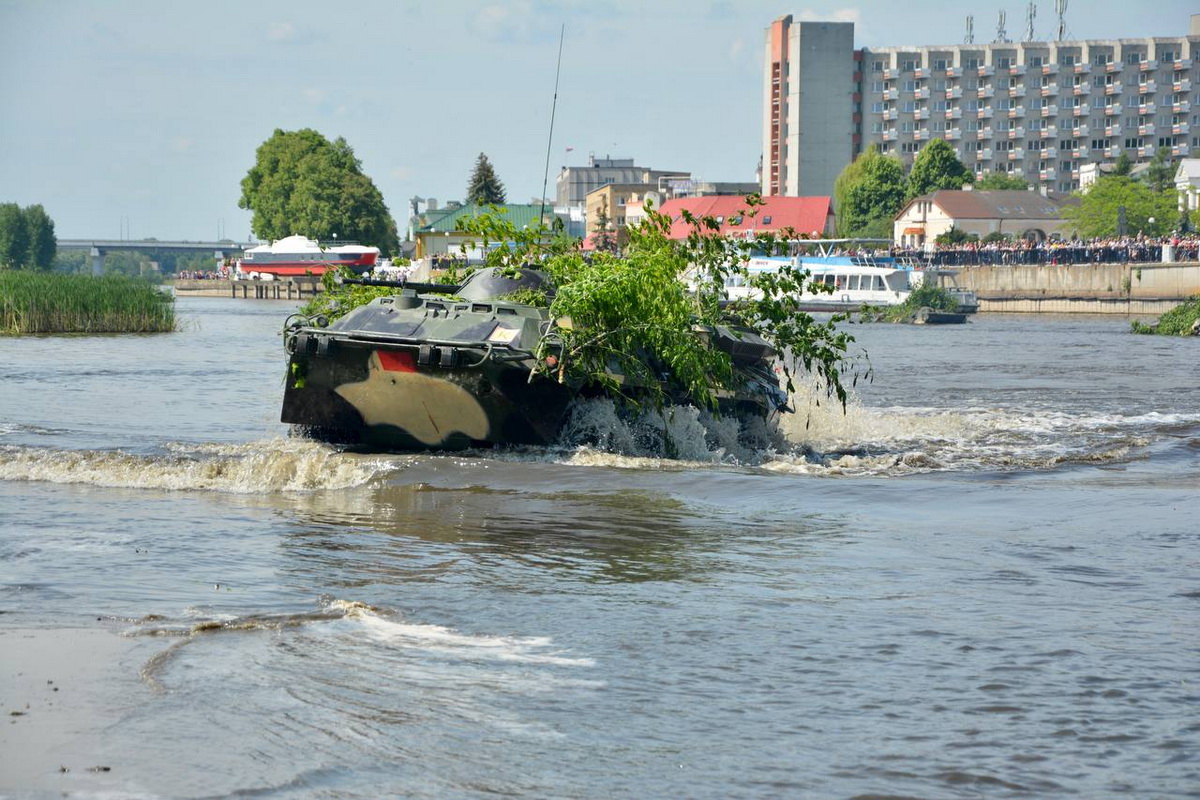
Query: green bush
x,y
1183,320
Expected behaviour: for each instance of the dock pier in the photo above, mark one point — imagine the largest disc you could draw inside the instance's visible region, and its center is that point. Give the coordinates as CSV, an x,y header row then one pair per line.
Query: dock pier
x,y
299,288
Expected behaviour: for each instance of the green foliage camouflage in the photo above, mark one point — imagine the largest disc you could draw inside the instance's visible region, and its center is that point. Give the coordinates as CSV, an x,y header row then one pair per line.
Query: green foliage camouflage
x,y
1183,320
301,183
38,302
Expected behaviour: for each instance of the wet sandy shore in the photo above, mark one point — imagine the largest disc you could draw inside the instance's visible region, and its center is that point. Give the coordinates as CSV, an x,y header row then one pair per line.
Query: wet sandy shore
x,y
61,691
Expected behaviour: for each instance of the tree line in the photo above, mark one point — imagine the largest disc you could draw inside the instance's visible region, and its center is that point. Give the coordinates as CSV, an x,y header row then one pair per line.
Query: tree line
x,y
27,238
872,190
301,183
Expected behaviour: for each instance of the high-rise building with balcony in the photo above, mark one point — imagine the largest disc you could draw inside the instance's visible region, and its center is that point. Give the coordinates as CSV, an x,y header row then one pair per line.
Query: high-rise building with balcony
x,y
1038,110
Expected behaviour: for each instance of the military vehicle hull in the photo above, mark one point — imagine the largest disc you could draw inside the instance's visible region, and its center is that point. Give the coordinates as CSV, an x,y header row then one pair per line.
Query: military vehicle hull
x,y
401,396
423,371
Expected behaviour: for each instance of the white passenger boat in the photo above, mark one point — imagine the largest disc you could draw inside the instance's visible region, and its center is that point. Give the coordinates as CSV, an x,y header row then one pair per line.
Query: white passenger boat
x,y
853,280
299,255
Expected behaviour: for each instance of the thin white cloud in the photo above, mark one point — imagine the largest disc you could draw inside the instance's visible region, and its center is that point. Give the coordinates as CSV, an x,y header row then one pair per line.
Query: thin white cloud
x,y
523,21
837,15
281,31
182,144
314,95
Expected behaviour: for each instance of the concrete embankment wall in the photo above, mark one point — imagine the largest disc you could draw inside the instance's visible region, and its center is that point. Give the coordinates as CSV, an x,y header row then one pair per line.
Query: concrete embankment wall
x,y
1081,288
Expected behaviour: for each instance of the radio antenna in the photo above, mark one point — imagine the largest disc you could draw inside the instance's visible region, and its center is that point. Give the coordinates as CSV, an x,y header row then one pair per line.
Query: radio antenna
x,y
550,139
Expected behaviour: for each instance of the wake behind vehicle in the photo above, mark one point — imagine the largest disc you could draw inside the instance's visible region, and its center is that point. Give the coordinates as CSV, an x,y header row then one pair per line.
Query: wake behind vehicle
x,y
438,367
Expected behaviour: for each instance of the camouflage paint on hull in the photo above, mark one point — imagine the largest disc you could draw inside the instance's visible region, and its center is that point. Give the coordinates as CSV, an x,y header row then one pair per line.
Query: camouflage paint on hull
x,y
379,396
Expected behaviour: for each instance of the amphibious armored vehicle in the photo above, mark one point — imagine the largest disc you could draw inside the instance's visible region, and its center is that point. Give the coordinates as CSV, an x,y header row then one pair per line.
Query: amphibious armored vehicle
x,y
444,367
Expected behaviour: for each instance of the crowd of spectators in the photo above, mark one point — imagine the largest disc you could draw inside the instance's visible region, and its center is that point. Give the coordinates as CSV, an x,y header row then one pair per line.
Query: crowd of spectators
x,y
221,273
1129,249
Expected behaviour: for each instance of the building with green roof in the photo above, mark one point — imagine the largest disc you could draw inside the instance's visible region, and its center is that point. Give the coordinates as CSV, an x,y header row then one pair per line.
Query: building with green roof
x,y
441,232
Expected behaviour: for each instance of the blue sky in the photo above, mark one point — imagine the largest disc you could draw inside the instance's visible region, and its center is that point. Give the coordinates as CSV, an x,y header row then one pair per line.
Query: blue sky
x,y
140,118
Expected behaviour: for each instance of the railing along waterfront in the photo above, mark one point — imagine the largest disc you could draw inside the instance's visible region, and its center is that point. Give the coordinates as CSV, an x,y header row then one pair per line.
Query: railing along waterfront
x,y
1053,253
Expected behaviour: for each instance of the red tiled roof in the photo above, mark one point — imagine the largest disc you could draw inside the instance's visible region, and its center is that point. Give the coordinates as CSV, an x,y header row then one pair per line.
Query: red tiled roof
x,y
995,204
805,215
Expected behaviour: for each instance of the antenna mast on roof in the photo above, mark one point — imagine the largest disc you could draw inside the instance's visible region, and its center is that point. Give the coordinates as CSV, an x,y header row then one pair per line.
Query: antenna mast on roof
x,y
1001,34
970,37
1060,8
1030,13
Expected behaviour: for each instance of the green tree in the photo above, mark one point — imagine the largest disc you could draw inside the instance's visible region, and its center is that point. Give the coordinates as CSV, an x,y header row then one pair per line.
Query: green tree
x,y
937,166
1123,165
14,236
131,264
956,236
1000,181
301,183
484,187
868,194
603,237
73,261
1096,214
42,242
1160,174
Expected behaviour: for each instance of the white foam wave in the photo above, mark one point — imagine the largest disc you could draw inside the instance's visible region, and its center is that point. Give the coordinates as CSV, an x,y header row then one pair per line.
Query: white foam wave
x,y
822,438
277,465
435,638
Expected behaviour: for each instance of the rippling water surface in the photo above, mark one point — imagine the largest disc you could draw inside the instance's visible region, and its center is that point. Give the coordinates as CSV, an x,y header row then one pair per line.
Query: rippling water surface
x,y
980,581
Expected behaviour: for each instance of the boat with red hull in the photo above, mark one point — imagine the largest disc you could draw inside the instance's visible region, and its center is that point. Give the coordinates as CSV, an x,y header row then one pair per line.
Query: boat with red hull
x,y
299,255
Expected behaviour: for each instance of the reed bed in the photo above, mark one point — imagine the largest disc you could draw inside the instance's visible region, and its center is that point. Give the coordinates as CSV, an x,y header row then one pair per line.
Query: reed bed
x,y
40,302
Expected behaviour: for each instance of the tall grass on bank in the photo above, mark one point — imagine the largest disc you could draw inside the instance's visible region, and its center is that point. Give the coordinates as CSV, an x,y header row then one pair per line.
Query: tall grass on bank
x,y
41,302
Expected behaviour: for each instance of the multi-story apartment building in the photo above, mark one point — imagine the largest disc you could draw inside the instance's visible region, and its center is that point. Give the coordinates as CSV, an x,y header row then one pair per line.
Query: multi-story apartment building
x,y
809,119
574,183
1039,110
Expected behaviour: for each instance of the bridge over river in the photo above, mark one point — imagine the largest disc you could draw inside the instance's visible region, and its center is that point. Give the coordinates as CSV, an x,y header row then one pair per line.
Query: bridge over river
x,y
97,248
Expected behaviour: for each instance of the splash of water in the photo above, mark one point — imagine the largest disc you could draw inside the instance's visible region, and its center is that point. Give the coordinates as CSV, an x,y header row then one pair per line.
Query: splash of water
x,y
823,438
276,465
681,433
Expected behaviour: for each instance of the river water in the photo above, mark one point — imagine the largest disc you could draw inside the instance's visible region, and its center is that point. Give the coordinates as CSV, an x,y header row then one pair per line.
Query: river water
x,y
980,581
